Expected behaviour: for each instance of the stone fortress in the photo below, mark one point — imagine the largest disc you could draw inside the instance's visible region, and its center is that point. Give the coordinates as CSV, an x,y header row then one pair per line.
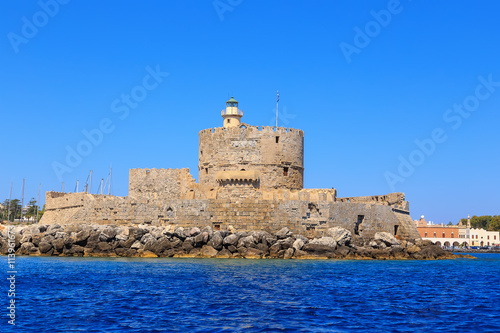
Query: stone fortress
x,y
250,178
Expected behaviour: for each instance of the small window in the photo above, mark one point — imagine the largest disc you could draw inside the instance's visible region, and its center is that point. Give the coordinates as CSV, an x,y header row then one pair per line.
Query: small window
x,y
206,171
277,139
216,226
425,234
434,234
228,121
285,171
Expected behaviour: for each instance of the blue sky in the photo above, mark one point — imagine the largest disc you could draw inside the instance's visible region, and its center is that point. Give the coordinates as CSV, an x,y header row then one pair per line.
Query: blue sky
x,y
364,80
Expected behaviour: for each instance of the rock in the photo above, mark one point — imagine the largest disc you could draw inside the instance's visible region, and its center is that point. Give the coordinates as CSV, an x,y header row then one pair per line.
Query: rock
x,y
121,237
58,244
168,253
108,234
175,243
413,249
26,238
153,246
231,229
209,231
180,233
68,242
303,238
208,251
188,244
328,241
147,237
274,250
224,253
284,233
148,254
286,243
231,240
319,249
36,239
248,241
47,239
137,233
300,253
387,238
103,246
250,253
193,232
289,253
424,243
430,252
136,245
200,239
217,241
340,235
61,234
263,247
232,249
298,244
44,247
25,248
343,250
81,237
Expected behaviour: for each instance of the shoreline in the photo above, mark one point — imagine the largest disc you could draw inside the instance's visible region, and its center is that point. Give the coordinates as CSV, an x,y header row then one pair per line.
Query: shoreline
x,y
146,241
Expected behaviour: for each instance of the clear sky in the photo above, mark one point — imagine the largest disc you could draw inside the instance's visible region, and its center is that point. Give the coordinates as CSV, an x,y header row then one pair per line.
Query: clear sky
x,y
392,96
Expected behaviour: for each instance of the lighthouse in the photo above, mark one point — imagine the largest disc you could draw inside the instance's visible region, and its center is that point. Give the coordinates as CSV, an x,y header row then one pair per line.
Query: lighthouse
x,y
232,116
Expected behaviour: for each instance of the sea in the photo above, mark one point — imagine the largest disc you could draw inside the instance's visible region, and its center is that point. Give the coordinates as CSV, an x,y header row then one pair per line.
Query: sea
x,y
62,294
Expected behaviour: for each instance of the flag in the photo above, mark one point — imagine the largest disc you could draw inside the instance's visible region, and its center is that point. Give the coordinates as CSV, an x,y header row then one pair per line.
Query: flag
x,y
278,97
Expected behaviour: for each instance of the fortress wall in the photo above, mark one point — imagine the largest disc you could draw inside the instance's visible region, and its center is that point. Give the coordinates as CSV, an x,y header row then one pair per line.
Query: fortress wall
x,y
253,148
160,184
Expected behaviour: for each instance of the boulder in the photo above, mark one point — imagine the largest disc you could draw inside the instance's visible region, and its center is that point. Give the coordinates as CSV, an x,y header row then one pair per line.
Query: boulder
x,y
319,249
209,231
25,248
188,244
108,234
193,232
201,239
413,249
58,244
327,241
387,238
340,235
217,241
44,247
284,233
250,253
136,245
224,253
180,233
104,246
231,240
147,237
137,233
208,251
248,241
36,239
289,253
81,237
61,234
298,244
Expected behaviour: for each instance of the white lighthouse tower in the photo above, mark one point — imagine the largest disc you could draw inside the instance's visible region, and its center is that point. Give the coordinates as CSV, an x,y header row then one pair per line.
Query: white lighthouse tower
x,y
232,116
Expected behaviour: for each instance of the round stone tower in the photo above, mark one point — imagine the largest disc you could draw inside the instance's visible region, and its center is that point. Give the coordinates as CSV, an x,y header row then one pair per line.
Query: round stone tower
x,y
241,155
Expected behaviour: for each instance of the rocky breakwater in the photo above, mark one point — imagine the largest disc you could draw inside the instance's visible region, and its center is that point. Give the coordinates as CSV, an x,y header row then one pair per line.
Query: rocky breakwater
x,y
152,241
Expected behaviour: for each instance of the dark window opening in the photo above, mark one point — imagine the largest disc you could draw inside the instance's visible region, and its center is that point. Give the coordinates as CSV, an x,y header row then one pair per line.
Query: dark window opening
x,y
277,139
285,171
206,171
216,226
228,121
396,229
357,228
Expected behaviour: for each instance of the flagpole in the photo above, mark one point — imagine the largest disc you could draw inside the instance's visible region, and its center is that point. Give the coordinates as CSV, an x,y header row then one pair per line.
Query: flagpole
x,y
277,100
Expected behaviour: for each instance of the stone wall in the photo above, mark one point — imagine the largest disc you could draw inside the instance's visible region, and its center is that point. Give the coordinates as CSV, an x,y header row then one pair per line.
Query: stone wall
x,y
160,184
309,212
278,155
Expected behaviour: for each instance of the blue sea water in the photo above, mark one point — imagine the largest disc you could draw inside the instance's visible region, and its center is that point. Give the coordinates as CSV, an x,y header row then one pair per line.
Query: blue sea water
x,y
231,295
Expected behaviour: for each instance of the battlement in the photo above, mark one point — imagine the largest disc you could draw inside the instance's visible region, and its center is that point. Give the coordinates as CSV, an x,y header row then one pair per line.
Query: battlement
x,y
251,129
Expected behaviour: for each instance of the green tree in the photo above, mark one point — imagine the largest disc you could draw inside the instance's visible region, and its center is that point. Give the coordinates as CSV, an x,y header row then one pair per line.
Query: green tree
x,y
464,222
450,223
14,206
32,208
495,223
480,222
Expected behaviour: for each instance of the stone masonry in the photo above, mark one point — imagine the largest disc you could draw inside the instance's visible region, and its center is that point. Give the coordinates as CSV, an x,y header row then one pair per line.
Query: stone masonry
x,y
250,178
